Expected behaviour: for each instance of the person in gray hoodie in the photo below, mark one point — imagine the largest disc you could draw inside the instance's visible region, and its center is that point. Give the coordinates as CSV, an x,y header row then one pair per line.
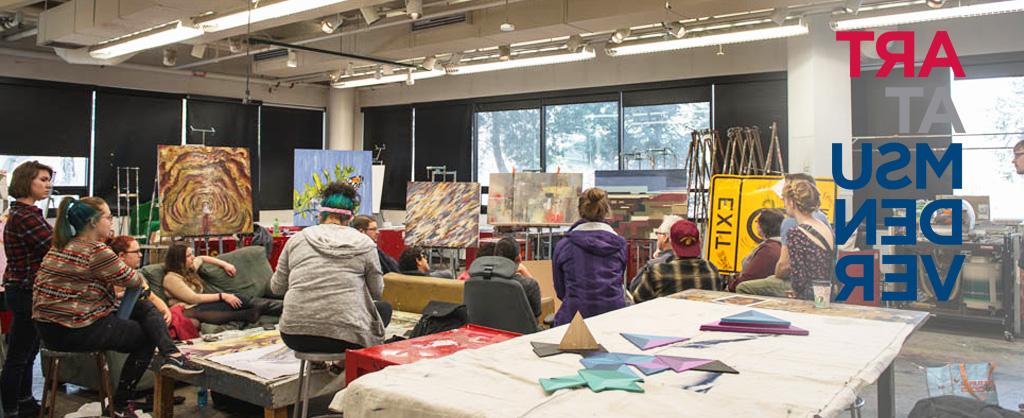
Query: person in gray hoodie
x,y
330,277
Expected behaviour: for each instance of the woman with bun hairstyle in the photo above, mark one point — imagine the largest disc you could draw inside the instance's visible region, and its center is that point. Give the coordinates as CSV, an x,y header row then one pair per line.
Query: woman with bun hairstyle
x,y
590,263
809,251
74,300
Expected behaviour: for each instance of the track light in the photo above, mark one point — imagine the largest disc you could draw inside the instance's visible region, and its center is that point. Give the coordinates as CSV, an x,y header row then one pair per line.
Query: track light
x,y
504,52
930,15
674,29
772,32
429,63
409,80
620,35
336,74
198,51
935,4
386,70
379,74
170,57
779,15
370,14
414,8
853,6
293,59
455,58
331,24
574,43
234,45
507,27
167,34
350,68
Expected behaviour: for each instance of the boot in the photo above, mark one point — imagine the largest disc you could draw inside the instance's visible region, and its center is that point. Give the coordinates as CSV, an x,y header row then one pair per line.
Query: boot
x,y
272,307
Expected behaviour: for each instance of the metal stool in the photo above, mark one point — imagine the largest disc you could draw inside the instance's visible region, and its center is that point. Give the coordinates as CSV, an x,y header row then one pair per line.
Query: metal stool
x,y
51,362
855,407
304,372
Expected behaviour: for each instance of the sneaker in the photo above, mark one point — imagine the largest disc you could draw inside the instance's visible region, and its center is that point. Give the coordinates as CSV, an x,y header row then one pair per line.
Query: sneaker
x,y
181,365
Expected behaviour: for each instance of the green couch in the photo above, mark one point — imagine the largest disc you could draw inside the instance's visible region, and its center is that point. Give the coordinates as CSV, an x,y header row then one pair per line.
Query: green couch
x,y
251,278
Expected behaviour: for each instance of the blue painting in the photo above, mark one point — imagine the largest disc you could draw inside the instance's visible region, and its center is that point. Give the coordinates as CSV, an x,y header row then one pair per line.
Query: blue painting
x,y
315,168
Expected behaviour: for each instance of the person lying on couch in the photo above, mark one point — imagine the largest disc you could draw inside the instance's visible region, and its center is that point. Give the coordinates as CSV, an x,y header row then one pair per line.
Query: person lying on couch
x,y
413,262
183,286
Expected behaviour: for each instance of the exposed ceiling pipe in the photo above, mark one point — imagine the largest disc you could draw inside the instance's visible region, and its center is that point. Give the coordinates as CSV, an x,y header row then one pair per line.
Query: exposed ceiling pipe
x,y
21,35
140,67
395,22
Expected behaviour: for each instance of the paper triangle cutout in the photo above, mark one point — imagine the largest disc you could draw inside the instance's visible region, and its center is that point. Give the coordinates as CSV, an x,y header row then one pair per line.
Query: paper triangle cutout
x,y
621,368
650,367
755,317
681,364
564,382
549,349
753,328
600,380
647,342
716,367
578,336
601,358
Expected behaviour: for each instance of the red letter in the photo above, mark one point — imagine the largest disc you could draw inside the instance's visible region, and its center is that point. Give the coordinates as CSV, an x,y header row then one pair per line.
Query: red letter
x,y
941,41
855,38
890,59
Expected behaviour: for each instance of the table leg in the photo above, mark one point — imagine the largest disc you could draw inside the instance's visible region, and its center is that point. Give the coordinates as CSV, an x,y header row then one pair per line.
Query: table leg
x,y
163,396
275,413
887,393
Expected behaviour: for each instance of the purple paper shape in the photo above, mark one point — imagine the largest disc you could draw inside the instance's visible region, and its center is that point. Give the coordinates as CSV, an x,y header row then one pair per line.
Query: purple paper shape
x,y
753,329
756,318
681,364
650,367
647,342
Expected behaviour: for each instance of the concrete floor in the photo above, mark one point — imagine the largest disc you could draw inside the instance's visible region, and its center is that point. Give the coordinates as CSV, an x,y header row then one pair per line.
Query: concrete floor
x,y
937,344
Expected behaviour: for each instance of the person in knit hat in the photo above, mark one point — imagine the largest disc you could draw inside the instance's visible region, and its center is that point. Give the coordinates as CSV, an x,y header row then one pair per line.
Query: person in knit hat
x,y
684,270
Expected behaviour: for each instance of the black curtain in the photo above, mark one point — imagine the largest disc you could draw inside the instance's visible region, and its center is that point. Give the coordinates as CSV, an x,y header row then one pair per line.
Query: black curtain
x,y
129,126
236,125
444,137
47,119
282,131
391,127
750,103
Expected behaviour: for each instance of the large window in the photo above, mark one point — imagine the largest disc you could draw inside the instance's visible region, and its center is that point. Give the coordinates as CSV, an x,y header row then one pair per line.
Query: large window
x,y
647,129
581,138
992,105
507,139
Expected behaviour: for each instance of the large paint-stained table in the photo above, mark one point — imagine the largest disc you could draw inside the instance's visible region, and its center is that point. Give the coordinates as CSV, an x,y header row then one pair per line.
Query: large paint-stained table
x,y
848,348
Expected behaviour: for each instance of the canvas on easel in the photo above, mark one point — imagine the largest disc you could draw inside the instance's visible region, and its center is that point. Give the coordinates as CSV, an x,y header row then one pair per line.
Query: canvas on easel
x,y
204,191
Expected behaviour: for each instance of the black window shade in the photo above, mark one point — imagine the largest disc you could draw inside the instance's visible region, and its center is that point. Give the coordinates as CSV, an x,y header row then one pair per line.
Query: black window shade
x,y
282,131
391,127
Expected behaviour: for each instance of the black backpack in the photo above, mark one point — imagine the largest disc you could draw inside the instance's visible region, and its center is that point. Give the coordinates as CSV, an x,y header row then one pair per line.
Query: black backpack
x,y
439,317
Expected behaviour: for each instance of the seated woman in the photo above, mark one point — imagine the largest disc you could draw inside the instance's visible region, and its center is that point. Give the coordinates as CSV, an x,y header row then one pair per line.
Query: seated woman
x,y
413,262
330,277
74,300
183,286
129,252
761,262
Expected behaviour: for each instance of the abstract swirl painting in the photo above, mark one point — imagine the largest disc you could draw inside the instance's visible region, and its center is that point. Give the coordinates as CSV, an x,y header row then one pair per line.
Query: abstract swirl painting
x,y
442,214
204,190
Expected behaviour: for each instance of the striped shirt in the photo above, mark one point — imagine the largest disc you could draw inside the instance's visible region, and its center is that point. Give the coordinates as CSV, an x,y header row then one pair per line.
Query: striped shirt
x,y
75,286
676,275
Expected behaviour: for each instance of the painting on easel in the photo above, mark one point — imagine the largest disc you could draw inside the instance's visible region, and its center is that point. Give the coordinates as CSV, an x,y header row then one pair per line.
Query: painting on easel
x,y
204,191
534,198
314,169
442,214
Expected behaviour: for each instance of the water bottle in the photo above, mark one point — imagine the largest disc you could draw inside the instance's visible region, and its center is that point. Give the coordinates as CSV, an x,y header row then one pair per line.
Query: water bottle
x,y
202,396
277,228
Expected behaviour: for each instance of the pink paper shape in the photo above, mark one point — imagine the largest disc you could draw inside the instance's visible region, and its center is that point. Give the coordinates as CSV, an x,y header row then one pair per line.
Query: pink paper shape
x,y
753,329
681,364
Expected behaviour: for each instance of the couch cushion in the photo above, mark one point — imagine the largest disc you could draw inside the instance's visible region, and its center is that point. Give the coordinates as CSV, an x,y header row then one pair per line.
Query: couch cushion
x,y
412,293
252,275
154,274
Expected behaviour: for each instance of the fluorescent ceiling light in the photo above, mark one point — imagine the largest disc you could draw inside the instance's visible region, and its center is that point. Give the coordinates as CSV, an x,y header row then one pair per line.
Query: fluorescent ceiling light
x,y
164,35
982,9
387,79
585,54
264,12
710,40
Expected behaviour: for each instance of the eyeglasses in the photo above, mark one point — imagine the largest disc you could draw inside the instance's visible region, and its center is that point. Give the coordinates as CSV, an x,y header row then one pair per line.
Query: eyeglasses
x,y
133,252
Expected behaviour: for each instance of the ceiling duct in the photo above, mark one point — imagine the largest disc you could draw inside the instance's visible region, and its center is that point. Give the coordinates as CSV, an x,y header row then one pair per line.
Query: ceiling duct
x,y
424,24
269,55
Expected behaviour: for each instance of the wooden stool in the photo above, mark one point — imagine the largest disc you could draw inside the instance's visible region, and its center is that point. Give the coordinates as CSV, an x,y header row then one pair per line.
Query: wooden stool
x,y
304,372
51,362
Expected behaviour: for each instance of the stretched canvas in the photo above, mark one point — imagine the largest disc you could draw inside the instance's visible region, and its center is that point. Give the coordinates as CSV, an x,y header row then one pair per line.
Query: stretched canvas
x,y
445,214
536,198
204,190
315,168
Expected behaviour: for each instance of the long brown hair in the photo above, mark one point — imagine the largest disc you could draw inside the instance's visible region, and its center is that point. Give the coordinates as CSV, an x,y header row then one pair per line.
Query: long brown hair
x,y
177,262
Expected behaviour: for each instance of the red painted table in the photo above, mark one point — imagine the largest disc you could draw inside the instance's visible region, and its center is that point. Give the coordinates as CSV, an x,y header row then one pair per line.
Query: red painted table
x,y
371,359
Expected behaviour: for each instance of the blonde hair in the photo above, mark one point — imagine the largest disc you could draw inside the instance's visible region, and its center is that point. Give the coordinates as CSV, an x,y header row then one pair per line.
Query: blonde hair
x,y
804,195
594,205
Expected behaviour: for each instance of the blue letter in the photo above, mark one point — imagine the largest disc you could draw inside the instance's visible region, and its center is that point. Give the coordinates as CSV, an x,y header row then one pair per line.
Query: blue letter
x,y
866,213
837,167
909,222
942,290
909,277
867,281
957,221
900,162
926,157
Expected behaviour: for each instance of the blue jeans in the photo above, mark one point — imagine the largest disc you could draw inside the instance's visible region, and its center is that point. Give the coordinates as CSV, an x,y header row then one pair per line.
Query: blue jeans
x,y
22,349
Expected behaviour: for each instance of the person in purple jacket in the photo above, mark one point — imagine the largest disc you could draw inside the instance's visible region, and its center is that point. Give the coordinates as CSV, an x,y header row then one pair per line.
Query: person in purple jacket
x,y
590,263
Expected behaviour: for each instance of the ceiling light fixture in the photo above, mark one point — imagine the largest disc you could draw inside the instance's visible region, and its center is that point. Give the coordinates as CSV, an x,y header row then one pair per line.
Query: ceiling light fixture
x,y
935,4
999,7
293,59
234,45
674,29
170,57
167,34
409,80
558,58
429,63
726,38
507,27
414,8
265,11
332,24
853,6
198,51
574,43
504,52
779,15
347,83
620,35
370,14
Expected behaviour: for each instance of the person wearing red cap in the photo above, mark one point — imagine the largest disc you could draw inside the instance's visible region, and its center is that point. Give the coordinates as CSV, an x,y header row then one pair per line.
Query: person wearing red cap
x,y
684,270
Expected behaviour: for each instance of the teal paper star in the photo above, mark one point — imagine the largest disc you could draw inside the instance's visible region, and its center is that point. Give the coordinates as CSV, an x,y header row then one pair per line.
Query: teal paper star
x,y
600,380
